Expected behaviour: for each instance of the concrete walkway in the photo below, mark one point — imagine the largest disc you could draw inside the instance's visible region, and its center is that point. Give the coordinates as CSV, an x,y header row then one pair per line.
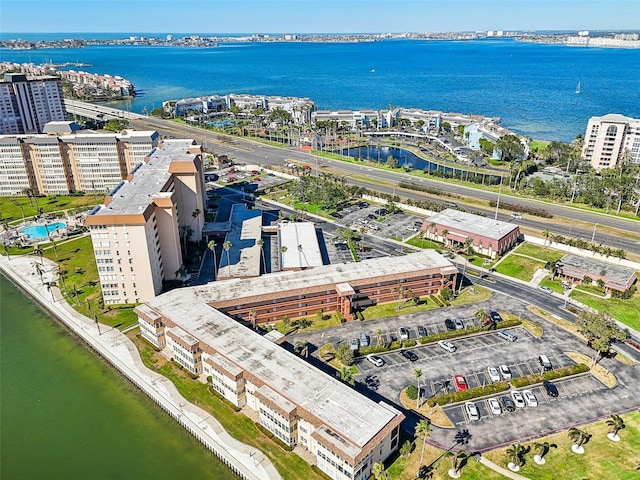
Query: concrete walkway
x,y
247,462
502,471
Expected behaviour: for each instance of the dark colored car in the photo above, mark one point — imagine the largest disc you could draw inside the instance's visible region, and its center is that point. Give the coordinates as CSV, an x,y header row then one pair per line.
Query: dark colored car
x,y
507,403
495,316
409,355
422,332
371,216
448,323
550,388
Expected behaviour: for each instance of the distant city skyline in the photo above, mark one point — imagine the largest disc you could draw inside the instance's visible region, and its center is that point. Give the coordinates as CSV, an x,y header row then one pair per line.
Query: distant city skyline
x,y
320,16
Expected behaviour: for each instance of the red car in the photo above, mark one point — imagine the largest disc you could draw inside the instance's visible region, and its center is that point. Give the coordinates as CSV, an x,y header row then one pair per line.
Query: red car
x,y
461,383
256,179
232,179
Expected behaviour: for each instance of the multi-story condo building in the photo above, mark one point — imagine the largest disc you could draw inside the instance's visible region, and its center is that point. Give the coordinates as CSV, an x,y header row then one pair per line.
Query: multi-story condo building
x,y
136,233
610,140
66,159
27,104
344,431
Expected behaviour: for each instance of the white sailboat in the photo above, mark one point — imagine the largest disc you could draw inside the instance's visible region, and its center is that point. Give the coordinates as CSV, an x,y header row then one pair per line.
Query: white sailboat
x,y
578,88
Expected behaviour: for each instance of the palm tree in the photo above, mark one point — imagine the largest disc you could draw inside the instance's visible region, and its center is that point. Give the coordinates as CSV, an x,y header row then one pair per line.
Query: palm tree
x,y
379,339
53,244
615,424
514,457
579,438
260,243
39,270
541,450
417,372
283,250
456,462
38,251
181,273
6,250
253,314
212,246
546,234
62,276
445,232
345,375
432,227
75,292
378,472
226,247
422,431
19,205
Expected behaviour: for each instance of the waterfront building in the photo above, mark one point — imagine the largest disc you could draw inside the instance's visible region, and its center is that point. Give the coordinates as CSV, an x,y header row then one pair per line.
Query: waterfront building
x,y
99,85
614,277
65,159
344,431
27,104
136,233
610,140
488,236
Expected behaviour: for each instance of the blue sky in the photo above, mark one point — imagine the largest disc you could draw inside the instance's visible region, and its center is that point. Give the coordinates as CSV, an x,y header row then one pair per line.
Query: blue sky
x,y
320,16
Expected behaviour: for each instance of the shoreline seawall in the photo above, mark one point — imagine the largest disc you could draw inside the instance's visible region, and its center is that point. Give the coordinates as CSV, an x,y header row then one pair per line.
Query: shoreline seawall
x,y
113,346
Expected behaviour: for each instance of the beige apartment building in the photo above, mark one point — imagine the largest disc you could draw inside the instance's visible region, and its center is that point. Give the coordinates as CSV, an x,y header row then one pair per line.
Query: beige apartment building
x,y
610,140
344,431
66,159
136,233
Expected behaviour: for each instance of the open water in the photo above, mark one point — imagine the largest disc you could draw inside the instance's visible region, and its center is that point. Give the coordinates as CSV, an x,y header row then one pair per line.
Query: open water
x,y
66,415
529,86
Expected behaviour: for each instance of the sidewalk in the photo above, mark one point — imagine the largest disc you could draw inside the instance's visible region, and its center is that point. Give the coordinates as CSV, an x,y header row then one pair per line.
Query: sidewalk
x,y
247,462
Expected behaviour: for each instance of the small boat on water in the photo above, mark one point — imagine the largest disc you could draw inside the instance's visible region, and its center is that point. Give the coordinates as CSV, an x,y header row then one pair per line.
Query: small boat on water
x,y
578,88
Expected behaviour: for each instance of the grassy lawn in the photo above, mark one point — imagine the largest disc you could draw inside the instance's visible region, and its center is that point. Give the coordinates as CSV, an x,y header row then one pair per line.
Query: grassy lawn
x,y
553,285
469,295
543,253
602,458
626,311
76,257
239,426
418,242
12,213
519,267
390,309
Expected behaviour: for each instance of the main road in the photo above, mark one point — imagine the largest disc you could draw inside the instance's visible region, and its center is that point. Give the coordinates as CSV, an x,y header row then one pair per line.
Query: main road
x,y
576,223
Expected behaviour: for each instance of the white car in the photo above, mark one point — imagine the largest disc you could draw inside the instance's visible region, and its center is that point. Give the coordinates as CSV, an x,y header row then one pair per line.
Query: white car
x,y
530,398
377,361
494,375
545,289
494,406
448,346
505,372
516,215
472,410
518,399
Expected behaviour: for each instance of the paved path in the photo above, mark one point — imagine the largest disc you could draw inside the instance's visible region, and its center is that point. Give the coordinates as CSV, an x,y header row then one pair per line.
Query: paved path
x,y
248,462
503,471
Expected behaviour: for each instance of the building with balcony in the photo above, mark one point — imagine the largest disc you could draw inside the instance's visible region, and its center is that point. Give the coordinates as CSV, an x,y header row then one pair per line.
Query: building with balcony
x,y
610,140
27,104
137,233
344,431
488,236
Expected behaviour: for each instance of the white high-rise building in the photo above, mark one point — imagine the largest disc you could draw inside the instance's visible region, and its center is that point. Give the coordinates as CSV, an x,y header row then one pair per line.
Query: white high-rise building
x,y
27,104
610,140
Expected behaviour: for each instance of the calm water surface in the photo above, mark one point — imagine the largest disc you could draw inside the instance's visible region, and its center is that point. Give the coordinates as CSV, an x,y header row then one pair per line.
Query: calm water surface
x,y
530,86
66,415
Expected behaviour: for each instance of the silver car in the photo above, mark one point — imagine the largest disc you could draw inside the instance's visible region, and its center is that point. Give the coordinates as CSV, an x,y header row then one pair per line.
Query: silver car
x,y
494,375
494,406
530,398
448,346
518,399
505,372
472,410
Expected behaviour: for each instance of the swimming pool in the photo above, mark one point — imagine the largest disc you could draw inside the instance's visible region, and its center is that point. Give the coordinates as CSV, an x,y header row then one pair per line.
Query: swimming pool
x,y
41,231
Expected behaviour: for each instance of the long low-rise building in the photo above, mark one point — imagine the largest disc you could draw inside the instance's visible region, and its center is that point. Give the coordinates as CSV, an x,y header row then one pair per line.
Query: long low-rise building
x,y
486,236
614,277
345,431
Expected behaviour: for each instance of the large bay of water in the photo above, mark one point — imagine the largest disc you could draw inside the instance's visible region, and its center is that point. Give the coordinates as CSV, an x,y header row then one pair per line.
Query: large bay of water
x,y
66,415
529,86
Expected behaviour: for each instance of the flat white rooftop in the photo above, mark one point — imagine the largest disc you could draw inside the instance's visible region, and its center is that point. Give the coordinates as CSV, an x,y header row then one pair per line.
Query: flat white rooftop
x,y
244,255
470,223
301,245
338,406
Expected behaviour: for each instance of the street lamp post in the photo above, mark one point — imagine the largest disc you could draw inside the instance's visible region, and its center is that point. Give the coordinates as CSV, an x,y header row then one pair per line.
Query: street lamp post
x,y
593,235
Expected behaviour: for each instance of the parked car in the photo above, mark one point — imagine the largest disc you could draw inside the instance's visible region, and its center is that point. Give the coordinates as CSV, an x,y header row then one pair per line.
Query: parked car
x,y
342,246
516,215
353,344
505,372
372,216
494,375
494,406
518,399
550,388
451,204
545,289
544,362
459,324
363,204
409,355
495,316
377,361
460,381
530,398
472,410
506,335
422,332
411,228
507,403
404,333
364,340
448,323
448,346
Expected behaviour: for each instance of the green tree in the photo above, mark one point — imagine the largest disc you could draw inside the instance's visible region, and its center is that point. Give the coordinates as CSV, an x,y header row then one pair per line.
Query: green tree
x,y
541,449
515,457
260,243
405,449
378,472
510,147
601,330
422,431
615,424
345,375
417,372
344,354
211,245
227,247
578,437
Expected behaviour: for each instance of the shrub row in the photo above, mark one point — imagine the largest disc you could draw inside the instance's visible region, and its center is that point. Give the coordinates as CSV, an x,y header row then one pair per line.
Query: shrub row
x,y
538,212
550,375
463,395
